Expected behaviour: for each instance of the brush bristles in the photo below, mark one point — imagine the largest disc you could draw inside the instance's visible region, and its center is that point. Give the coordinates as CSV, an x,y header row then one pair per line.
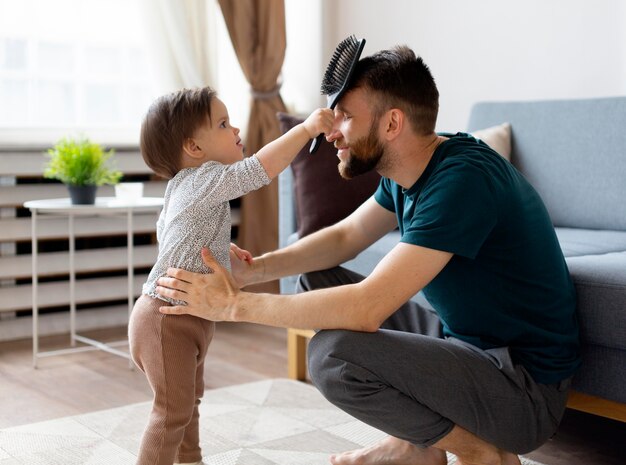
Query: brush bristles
x,y
339,66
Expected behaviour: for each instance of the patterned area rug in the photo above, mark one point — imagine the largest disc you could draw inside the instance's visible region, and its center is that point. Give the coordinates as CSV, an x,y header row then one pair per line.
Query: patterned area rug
x,y
270,422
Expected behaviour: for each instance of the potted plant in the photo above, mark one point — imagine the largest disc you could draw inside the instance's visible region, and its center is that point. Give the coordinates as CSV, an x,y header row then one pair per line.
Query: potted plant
x,y
82,165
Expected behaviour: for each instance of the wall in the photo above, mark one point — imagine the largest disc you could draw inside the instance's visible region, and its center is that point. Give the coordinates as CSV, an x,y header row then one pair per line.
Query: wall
x,y
305,59
489,49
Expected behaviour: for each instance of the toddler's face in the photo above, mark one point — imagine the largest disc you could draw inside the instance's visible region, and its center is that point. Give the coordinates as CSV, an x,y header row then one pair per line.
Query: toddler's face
x,y
218,139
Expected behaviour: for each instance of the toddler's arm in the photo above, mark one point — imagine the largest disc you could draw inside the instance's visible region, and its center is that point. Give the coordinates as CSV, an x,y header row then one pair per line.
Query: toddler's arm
x,y
278,154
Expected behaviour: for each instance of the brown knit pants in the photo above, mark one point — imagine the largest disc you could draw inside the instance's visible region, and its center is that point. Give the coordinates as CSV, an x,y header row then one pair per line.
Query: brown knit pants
x,y
170,350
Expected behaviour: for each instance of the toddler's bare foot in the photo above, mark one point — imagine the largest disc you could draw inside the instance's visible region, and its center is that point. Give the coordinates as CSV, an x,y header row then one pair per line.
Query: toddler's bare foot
x,y
391,451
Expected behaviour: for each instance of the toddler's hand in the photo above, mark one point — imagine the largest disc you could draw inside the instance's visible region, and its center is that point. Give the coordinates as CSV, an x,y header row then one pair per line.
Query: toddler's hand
x,y
240,264
241,254
318,122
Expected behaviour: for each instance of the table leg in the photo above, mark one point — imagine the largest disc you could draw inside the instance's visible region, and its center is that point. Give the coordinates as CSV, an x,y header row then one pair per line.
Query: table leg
x,y
34,287
131,271
72,246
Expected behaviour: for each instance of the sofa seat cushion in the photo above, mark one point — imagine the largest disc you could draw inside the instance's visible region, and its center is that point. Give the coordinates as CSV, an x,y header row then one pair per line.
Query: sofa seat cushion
x,y
600,282
599,277
598,272
576,242
602,373
367,260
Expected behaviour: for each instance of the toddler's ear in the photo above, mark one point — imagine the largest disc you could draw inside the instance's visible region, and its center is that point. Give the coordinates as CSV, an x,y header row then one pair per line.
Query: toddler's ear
x,y
191,148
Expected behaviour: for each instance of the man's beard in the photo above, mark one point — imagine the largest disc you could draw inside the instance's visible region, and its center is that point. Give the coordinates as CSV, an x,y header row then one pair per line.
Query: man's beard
x,y
365,154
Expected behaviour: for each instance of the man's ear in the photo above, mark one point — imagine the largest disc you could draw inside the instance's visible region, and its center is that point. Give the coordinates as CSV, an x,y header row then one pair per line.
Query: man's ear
x,y
192,149
394,122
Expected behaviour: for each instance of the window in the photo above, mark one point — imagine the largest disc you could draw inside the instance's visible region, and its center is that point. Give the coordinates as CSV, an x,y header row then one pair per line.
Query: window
x,y
72,65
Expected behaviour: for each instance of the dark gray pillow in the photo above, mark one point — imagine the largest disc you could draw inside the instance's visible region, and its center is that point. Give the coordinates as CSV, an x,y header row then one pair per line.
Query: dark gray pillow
x,y
322,196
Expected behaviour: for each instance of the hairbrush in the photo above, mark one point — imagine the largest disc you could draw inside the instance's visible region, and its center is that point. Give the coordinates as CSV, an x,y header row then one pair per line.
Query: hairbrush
x,y
338,73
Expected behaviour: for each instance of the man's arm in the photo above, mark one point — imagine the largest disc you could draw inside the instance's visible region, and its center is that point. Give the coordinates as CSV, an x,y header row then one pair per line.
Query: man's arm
x,y
363,306
323,249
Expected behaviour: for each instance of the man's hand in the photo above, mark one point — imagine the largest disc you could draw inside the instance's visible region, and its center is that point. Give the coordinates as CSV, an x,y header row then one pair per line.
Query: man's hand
x,y
210,296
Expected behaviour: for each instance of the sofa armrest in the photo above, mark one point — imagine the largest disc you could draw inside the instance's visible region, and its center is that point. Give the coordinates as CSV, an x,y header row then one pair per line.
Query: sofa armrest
x,y
287,226
286,208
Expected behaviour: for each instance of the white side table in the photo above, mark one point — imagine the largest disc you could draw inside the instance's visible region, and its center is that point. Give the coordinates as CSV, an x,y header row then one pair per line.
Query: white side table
x,y
63,207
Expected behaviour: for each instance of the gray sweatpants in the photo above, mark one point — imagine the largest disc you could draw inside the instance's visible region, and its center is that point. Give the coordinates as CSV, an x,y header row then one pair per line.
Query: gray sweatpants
x,y
409,382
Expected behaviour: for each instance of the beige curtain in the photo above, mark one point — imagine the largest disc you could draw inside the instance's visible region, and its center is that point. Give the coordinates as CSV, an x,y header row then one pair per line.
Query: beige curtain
x,y
180,42
257,31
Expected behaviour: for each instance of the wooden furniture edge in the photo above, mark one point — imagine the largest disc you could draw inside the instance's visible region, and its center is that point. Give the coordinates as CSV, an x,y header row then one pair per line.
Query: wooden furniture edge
x,y
296,367
597,406
296,352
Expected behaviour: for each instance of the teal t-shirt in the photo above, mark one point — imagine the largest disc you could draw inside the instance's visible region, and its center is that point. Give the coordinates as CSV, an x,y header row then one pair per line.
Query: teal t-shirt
x,y
507,284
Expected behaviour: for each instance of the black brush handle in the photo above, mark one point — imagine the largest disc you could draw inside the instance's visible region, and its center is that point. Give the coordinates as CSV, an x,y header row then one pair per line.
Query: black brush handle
x,y
316,143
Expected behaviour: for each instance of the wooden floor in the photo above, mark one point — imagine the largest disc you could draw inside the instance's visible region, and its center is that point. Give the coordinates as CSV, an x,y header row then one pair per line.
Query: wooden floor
x,y
239,353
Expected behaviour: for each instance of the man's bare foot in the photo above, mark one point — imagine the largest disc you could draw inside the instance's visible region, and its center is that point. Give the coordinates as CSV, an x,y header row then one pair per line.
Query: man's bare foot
x,y
471,450
506,458
391,451
510,459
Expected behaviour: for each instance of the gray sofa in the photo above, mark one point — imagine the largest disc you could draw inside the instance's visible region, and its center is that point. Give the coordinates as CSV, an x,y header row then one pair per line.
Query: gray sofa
x,y
574,153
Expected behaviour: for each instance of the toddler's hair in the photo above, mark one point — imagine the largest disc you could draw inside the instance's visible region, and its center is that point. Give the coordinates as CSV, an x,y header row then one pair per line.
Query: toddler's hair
x,y
170,120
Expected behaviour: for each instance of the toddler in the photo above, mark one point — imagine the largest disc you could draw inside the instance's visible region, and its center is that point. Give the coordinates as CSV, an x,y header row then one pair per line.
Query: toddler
x,y
187,137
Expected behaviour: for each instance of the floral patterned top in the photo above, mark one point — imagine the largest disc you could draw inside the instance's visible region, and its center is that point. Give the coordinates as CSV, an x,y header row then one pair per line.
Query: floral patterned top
x,y
196,213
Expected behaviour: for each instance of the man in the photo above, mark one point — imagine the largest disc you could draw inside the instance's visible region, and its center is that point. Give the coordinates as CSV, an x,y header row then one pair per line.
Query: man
x,y
475,237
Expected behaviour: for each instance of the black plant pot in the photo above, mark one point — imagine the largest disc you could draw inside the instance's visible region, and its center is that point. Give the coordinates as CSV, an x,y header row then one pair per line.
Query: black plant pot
x,y
83,195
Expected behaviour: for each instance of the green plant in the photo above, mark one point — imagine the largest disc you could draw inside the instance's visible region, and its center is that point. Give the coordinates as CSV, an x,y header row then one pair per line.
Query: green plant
x,y
80,162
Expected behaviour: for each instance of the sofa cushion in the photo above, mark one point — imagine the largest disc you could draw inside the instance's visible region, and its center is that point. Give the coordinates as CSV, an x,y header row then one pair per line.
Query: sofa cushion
x,y
572,152
322,196
602,373
575,242
497,137
600,282
367,260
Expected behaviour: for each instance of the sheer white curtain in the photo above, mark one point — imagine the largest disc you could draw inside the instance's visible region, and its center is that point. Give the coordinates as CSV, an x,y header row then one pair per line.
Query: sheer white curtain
x,y
181,42
64,72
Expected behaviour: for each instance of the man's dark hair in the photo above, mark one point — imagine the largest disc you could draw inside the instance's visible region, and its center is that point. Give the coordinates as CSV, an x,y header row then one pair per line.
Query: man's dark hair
x,y
170,120
399,79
